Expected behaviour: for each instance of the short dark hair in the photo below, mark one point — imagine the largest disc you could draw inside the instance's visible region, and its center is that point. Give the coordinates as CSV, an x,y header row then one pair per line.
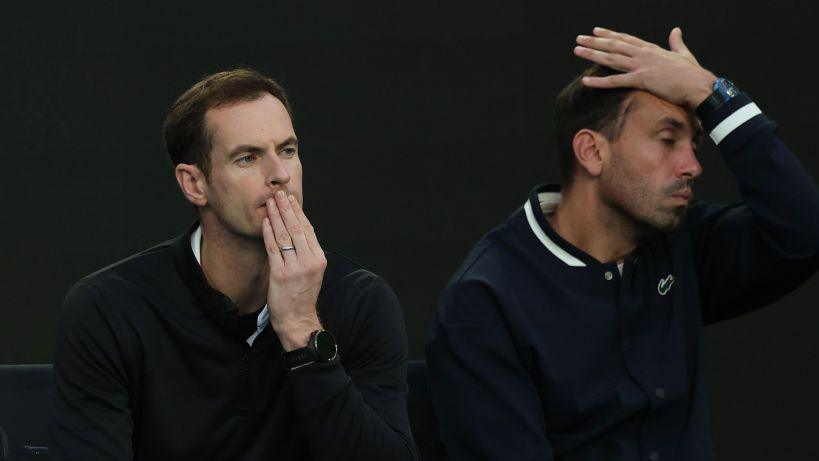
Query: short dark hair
x,y
184,130
579,106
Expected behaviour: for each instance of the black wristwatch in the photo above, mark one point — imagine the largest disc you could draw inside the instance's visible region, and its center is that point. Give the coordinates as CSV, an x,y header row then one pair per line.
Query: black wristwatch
x,y
320,348
721,92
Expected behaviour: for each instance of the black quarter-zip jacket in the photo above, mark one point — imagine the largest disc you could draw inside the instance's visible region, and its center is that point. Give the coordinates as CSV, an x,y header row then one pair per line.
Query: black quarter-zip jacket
x,y
540,352
151,363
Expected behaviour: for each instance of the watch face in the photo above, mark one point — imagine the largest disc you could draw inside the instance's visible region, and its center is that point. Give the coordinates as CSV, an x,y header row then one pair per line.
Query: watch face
x,y
725,88
325,346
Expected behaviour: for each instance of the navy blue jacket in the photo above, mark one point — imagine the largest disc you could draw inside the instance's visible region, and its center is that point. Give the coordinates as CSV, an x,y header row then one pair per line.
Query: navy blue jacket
x,y
540,352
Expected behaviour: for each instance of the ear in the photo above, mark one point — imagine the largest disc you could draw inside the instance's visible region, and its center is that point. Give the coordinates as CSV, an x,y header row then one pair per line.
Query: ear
x,y
192,183
589,147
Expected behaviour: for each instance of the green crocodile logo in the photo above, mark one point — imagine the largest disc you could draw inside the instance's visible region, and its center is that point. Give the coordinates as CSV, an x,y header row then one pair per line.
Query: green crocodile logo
x,y
665,285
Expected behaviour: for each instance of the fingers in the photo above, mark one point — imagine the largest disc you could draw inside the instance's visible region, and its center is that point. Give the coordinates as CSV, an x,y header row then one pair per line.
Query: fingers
x,y
675,42
309,232
673,75
281,236
611,60
607,44
292,222
270,244
630,39
612,81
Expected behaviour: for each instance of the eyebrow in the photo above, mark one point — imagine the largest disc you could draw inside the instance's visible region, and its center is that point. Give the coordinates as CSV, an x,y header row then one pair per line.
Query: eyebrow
x,y
290,141
242,148
696,128
675,123
253,149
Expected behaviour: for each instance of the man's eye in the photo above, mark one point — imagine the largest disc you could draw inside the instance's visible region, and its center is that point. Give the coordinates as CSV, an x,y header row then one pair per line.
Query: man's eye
x,y
245,160
289,152
669,141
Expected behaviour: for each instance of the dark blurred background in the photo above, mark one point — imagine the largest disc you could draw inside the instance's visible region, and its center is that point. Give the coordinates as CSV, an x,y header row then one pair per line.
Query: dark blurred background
x,y
422,125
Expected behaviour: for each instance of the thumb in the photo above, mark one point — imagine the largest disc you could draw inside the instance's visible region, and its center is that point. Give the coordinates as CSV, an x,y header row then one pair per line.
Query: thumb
x,y
675,41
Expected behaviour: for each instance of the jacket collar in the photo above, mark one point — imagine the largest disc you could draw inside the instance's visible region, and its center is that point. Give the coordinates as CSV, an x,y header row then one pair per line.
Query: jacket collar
x,y
543,199
214,303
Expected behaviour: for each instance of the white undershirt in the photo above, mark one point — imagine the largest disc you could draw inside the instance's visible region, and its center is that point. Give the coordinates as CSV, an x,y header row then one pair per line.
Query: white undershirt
x,y
264,316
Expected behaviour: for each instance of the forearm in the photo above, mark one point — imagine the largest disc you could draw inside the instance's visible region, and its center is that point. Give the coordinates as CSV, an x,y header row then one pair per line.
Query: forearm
x,y
339,424
753,252
776,188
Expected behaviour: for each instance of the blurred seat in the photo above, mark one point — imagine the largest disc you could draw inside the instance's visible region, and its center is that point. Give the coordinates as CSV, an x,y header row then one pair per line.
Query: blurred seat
x,y
25,407
422,413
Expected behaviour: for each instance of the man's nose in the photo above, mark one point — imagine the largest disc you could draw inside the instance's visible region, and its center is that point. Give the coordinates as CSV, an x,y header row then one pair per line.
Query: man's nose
x,y
690,166
275,170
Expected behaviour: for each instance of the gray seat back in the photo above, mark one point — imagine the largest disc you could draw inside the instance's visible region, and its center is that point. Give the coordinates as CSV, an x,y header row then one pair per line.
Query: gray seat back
x,y
25,408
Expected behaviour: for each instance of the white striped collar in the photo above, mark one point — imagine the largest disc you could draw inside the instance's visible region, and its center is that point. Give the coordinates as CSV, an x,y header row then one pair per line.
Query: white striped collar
x,y
548,202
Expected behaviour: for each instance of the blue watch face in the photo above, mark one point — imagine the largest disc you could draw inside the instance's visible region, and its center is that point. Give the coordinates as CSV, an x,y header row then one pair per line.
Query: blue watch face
x,y
725,88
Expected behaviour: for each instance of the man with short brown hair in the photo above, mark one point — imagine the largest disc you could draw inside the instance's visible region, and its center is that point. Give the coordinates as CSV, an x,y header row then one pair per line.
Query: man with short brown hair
x,y
242,338
573,331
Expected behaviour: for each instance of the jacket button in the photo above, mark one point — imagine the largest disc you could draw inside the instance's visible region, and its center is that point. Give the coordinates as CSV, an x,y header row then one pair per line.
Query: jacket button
x,y
608,275
659,392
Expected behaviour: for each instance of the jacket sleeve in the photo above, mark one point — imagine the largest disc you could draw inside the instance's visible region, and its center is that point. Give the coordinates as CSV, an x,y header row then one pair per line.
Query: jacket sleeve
x,y
355,408
91,419
487,405
751,253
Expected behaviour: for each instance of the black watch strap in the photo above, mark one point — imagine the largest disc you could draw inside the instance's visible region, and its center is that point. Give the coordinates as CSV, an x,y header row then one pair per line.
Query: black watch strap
x,y
722,91
298,358
707,107
321,347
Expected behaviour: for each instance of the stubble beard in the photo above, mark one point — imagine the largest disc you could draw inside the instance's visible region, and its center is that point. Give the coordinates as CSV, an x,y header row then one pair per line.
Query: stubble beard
x,y
236,226
636,205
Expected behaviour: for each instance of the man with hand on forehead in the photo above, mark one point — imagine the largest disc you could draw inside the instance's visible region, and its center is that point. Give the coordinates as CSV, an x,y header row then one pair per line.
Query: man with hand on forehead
x,y
243,338
573,330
